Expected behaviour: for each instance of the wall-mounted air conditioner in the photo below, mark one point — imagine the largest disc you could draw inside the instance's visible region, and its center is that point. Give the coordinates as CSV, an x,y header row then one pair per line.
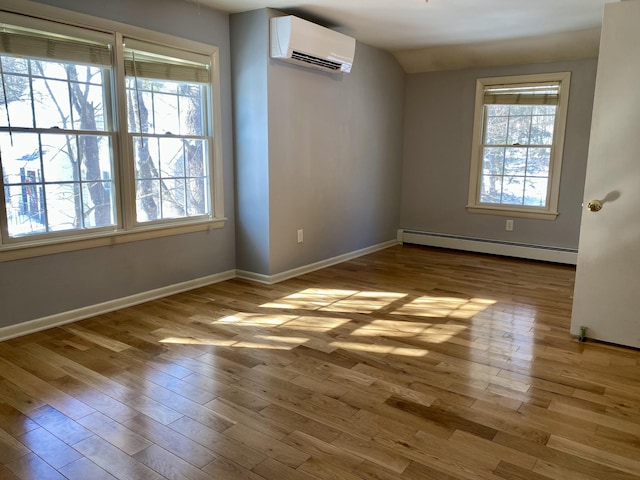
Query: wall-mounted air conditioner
x,y
298,41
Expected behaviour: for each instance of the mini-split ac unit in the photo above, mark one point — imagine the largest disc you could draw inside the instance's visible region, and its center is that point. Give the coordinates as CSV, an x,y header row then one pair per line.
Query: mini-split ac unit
x,y
304,43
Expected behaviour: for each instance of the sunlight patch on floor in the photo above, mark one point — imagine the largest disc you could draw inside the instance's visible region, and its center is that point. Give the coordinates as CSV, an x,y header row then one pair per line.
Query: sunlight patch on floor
x,y
254,319
316,324
433,333
347,301
445,307
286,331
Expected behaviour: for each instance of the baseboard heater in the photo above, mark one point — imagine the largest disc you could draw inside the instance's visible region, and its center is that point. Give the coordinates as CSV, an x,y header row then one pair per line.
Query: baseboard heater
x,y
495,247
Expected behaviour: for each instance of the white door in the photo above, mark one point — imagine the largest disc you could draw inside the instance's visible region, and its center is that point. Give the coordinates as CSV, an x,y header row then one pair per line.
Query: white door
x,y
607,291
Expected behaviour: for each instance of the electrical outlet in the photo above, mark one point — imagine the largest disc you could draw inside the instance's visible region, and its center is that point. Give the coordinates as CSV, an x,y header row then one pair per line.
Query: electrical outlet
x,y
509,226
300,235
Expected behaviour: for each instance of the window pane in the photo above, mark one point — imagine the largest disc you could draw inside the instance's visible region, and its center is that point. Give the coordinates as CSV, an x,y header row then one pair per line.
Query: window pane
x,y
25,209
147,157
515,161
98,204
96,168
512,190
197,198
173,198
171,158
535,192
139,103
51,103
538,162
59,158
542,129
196,154
493,161
519,128
95,153
491,191
166,113
48,69
496,130
148,200
64,206
88,102
191,109
22,174
20,154
18,93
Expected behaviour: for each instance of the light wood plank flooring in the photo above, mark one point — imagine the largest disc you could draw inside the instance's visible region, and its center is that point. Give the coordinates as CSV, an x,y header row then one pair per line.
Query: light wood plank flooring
x,y
409,363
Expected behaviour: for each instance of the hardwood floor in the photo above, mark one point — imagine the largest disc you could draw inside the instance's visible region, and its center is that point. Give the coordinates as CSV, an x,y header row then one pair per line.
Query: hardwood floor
x,y
409,363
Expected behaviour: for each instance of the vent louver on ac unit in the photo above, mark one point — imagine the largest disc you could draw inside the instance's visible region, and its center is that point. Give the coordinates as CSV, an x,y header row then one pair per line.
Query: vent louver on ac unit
x,y
298,41
321,62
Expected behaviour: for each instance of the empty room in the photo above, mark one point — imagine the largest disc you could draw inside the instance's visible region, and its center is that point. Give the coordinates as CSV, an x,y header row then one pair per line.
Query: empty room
x,y
324,240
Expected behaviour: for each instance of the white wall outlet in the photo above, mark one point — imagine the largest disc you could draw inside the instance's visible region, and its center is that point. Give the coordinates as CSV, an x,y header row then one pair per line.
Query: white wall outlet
x,y
509,226
300,235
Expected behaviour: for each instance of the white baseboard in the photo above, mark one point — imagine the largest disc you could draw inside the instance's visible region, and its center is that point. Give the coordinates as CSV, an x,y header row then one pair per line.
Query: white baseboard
x,y
296,272
32,326
494,247
59,319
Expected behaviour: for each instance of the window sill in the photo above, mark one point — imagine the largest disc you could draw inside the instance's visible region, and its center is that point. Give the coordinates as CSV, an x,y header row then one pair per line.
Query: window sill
x,y
514,212
49,247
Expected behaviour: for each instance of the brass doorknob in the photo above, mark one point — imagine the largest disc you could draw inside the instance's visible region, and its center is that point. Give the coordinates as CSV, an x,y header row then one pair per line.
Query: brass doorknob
x,y
595,205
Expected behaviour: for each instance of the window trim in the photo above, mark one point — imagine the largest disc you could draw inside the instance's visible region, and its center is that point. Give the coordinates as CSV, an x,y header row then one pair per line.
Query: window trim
x,y
125,230
550,212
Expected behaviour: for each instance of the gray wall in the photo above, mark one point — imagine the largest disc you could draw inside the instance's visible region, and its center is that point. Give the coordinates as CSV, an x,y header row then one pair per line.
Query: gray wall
x,y
43,286
249,32
334,152
439,124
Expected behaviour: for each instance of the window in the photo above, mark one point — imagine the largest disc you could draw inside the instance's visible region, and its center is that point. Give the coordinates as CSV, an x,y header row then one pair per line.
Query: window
x,y
103,135
517,145
168,129
55,135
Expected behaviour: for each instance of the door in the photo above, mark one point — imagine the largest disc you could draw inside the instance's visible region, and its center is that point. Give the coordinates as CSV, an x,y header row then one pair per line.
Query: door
x,y
607,291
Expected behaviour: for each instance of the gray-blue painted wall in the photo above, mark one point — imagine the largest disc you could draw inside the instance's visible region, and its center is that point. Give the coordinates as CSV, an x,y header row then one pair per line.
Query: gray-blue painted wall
x,y
437,156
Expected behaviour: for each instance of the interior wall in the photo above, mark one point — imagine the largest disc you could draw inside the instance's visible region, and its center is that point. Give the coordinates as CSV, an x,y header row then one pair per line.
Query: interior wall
x,y
38,287
251,139
438,134
335,157
328,160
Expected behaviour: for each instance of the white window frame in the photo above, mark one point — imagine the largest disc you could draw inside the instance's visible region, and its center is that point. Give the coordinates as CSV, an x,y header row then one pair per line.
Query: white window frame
x,y
550,211
20,13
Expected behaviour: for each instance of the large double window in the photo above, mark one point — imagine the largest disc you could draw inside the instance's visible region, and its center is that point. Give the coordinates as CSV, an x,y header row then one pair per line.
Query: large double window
x,y
517,149
102,135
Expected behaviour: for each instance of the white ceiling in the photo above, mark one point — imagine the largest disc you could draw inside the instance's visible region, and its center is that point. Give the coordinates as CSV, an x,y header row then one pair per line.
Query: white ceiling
x,y
445,34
